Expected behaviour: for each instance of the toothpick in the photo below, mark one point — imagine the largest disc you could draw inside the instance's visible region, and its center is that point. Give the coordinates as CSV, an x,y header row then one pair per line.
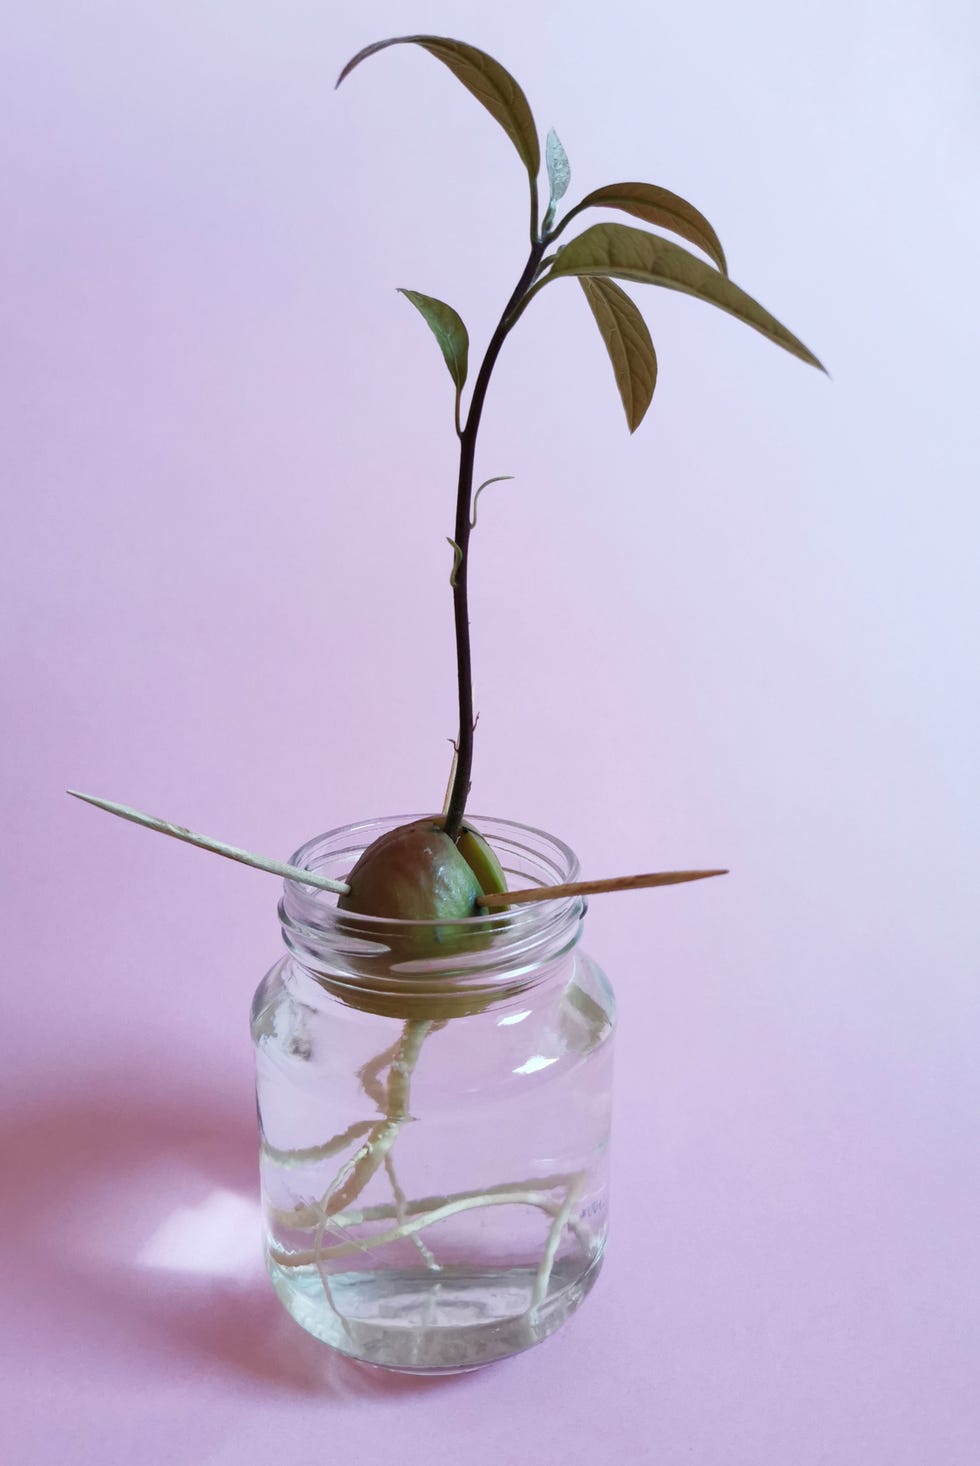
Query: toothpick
x,y
323,883
231,852
592,888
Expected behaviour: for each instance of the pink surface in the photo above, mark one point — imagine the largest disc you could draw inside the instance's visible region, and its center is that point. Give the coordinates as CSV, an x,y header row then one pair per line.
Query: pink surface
x,y
746,636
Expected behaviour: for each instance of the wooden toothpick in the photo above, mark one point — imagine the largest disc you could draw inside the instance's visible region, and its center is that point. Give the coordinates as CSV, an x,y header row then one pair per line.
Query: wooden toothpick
x,y
310,878
592,888
231,852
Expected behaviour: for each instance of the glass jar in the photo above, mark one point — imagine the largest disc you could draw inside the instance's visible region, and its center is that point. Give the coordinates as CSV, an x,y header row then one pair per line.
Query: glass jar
x,y
434,1107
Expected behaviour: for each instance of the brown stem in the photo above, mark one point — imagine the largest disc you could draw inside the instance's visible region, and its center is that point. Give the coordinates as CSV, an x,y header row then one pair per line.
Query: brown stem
x,y
467,460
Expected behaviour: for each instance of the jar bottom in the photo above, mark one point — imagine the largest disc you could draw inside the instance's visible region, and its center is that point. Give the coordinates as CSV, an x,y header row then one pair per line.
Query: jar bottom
x,y
412,1321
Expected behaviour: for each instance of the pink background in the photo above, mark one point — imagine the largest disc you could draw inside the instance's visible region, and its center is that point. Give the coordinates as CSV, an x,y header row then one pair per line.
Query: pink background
x,y
746,636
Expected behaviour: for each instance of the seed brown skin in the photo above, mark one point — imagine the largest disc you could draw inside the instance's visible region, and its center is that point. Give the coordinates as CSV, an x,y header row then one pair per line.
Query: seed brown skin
x,y
417,873
413,873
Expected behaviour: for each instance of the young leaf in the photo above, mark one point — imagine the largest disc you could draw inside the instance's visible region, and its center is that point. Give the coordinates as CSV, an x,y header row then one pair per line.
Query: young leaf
x,y
559,171
628,342
660,207
448,329
485,78
497,479
631,254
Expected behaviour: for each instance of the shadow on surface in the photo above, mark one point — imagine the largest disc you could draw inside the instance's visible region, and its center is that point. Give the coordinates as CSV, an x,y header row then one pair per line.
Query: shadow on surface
x,y
134,1217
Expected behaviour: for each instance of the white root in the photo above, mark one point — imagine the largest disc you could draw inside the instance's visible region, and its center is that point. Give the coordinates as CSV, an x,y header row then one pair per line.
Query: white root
x,y
314,1153
370,1074
305,1218
352,1180
370,1077
355,1175
421,1246
318,1253
543,1277
411,1217
435,1208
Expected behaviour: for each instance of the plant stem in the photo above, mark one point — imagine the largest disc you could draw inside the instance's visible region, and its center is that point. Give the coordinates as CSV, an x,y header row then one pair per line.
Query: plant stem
x,y
467,460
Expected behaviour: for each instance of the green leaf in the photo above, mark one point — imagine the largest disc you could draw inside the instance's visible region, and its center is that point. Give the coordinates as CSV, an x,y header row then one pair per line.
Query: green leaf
x,y
448,329
485,78
631,254
628,342
497,479
663,209
559,171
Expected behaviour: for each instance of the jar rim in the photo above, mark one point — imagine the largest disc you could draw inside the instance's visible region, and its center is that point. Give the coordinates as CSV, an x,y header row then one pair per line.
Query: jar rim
x,y
475,958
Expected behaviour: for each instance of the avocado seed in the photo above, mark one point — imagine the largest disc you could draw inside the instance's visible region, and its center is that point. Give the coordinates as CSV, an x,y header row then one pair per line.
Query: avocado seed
x,y
413,873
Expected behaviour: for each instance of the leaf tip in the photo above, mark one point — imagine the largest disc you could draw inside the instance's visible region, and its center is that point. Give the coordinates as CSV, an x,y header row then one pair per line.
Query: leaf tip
x,y
635,423
345,72
815,361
